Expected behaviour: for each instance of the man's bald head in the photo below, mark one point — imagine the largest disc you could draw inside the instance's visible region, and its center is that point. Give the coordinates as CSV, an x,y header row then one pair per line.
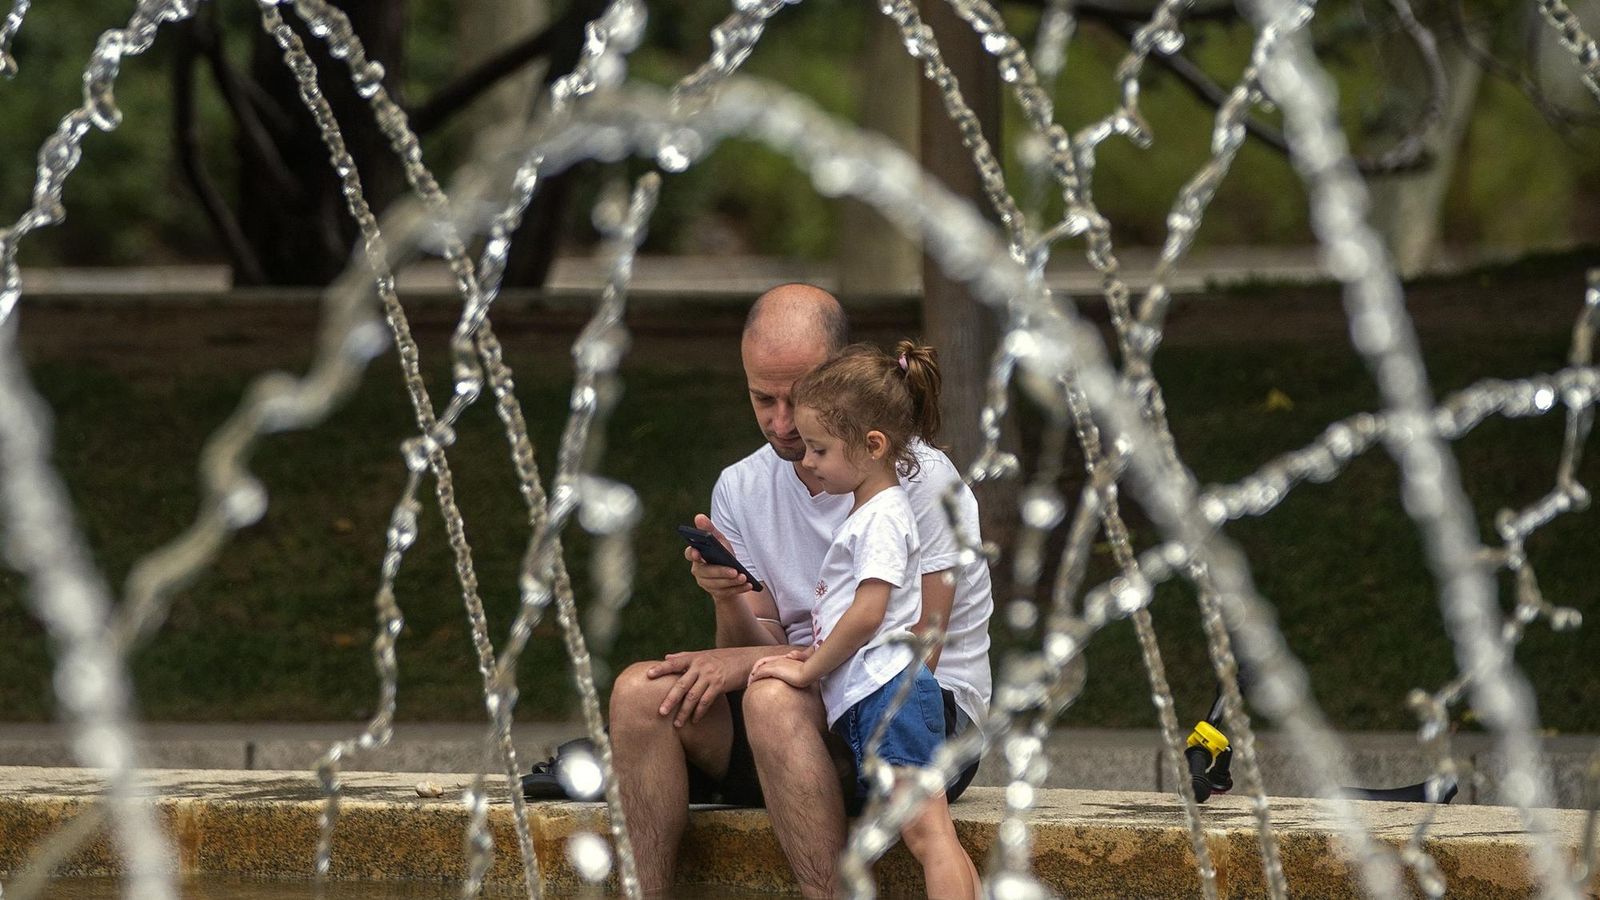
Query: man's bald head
x,y
797,315
791,330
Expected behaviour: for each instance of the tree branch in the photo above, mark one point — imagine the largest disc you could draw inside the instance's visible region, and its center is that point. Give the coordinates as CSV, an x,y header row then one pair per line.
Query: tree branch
x,y
187,140
533,245
1562,121
238,95
1410,147
1141,10
1191,76
455,96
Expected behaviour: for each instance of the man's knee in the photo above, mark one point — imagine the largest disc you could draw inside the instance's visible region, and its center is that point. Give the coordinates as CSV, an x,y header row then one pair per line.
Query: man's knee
x,y
636,697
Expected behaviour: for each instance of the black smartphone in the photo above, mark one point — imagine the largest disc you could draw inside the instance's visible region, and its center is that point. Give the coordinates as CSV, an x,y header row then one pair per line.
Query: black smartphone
x,y
712,551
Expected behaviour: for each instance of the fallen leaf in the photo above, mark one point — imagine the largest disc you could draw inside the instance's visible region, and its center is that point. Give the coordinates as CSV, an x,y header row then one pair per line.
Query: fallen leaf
x,y
1277,401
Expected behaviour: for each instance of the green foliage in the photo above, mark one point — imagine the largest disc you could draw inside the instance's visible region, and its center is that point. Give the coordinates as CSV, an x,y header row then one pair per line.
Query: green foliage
x,y
1517,185
1133,186
125,203
1553,183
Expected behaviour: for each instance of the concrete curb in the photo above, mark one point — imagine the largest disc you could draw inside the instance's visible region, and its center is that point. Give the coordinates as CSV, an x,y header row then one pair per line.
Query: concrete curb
x,y
1086,843
1081,758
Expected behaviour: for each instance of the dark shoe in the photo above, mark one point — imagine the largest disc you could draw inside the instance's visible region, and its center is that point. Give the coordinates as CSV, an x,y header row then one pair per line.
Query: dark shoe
x,y
543,781
1411,793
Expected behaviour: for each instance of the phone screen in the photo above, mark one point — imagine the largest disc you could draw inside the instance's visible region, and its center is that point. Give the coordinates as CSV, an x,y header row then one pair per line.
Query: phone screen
x,y
712,551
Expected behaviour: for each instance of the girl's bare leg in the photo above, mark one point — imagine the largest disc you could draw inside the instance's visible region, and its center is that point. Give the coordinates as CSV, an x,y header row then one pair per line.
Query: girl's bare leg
x,y
931,838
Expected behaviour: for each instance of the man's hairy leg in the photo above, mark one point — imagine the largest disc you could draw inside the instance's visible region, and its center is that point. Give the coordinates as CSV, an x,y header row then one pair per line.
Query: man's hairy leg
x,y
651,755
785,726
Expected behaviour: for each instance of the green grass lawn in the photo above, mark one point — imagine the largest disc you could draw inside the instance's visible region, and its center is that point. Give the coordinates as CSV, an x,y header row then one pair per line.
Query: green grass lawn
x,y
280,627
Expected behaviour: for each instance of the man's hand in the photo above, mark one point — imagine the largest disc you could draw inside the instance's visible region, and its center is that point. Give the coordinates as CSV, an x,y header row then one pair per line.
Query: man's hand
x,y
703,676
722,583
789,668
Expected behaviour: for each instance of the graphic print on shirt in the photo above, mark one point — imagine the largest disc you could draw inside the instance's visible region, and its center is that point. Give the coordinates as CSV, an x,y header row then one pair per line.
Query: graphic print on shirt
x,y
816,624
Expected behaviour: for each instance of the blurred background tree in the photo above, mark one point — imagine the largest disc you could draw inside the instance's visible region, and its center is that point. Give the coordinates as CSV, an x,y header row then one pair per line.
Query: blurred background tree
x,y
217,162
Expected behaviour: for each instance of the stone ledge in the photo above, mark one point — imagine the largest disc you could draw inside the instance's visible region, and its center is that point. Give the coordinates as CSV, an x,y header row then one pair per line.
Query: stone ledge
x,y
1080,758
1086,843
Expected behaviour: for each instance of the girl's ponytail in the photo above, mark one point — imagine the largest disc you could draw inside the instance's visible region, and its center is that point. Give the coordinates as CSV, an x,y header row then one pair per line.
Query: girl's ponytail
x,y
920,367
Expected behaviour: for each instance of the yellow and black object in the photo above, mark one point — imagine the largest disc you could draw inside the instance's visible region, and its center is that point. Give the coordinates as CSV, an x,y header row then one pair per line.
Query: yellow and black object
x,y
1209,755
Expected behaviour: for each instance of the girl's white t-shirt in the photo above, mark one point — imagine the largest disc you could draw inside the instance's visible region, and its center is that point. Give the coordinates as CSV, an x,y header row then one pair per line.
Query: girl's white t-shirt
x,y
879,540
781,532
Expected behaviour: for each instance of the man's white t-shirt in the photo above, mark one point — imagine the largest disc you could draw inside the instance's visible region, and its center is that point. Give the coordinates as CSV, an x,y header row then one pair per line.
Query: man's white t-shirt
x,y
879,540
781,533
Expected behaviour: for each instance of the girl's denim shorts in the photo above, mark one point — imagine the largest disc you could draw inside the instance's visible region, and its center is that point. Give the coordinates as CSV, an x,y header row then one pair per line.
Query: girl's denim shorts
x,y
914,733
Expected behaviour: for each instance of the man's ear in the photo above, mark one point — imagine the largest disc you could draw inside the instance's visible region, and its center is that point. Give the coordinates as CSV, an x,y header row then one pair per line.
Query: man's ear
x,y
877,444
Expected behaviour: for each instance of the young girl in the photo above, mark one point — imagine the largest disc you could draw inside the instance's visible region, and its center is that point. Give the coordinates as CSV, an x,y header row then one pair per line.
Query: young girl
x,y
858,415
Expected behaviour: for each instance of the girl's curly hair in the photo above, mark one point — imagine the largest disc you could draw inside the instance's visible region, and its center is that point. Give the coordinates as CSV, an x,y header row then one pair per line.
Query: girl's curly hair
x,y
864,389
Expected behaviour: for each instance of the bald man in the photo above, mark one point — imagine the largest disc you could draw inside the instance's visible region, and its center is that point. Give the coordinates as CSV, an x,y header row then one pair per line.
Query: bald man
x,y
687,729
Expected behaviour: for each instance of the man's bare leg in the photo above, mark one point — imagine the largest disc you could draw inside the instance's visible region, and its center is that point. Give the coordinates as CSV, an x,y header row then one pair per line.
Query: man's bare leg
x,y
651,755
785,726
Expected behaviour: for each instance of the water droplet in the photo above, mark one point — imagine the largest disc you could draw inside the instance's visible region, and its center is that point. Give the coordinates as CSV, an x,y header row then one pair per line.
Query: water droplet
x,y
1129,595
415,451
403,528
580,775
590,856
469,380
368,79
1019,795
679,150
584,399
441,435
1021,615
367,340
603,353
627,25
1168,41
1059,647
919,42
833,176
607,506
1565,618
245,504
1016,885
1042,508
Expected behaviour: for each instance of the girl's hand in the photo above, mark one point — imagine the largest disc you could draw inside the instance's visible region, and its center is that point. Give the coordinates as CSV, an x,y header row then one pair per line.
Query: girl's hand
x,y
784,668
800,653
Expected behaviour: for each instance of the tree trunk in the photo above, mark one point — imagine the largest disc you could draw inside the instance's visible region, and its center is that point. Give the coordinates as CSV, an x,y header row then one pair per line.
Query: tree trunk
x,y
962,329
1406,206
875,258
484,28
534,246
304,235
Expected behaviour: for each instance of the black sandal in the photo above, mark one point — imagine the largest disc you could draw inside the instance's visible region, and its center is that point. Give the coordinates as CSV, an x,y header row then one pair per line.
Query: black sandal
x,y
542,783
